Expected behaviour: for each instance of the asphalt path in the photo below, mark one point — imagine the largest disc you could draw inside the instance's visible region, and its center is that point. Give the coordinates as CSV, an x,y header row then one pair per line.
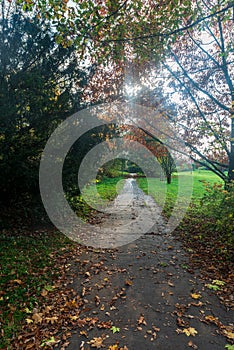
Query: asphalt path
x,y
145,288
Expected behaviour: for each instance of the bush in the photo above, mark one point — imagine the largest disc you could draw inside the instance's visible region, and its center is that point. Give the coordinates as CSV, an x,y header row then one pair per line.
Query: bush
x,y
218,203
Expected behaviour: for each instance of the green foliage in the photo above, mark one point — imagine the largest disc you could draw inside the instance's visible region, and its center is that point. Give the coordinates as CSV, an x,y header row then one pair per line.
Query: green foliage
x,y
113,168
229,347
218,204
104,27
213,287
115,329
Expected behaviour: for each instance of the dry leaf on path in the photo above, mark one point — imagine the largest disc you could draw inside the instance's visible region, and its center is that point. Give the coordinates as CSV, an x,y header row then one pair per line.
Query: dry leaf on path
x,y
189,331
195,295
141,320
96,342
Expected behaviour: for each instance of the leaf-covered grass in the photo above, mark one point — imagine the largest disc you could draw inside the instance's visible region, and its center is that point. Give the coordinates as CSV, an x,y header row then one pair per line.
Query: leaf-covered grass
x,y
27,261
26,267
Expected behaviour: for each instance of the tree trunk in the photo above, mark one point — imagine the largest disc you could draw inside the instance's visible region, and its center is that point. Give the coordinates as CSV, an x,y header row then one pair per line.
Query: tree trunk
x,y
231,156
169,179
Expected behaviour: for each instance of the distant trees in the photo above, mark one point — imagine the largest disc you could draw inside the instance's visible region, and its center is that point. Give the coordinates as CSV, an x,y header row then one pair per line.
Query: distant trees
x,y
155,146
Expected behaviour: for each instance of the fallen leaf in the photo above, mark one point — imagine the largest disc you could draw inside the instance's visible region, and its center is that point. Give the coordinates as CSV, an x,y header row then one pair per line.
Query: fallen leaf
x,y
44,293
104,324
218,282
96,342
113,347
190,331
211,318
128,283
195,295
171,284
228,333
73,318
84,333
197,304
190,343
37,317
97,300
181,322
141,320
28,320
52,320
48,309
115,329
18,281
81,323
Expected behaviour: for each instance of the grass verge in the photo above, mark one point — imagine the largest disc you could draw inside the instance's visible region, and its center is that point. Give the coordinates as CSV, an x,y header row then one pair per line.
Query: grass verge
x,y
93,195
26,268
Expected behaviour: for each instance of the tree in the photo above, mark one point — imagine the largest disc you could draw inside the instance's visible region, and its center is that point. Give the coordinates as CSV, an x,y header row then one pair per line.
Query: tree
x,y
194,44
155,146
198,68
36,80
168,165
200,65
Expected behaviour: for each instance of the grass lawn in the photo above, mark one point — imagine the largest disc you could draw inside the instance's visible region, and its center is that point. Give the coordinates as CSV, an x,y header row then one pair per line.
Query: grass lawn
x,y
191,185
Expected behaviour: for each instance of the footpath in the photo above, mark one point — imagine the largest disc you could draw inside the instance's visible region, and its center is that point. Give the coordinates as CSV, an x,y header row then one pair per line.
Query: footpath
x,y
142,295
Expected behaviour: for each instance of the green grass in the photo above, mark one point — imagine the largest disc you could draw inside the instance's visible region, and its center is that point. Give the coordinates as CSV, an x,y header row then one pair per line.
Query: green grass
x,y
192,185
27,266
95,195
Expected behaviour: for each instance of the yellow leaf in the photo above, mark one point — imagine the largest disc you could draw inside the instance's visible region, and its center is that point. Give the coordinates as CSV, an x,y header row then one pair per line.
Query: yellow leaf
x,y
229,334
28,320
73,318
18,281
195,296
190,331
128,283
211,318
113,347
52,320
48,308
